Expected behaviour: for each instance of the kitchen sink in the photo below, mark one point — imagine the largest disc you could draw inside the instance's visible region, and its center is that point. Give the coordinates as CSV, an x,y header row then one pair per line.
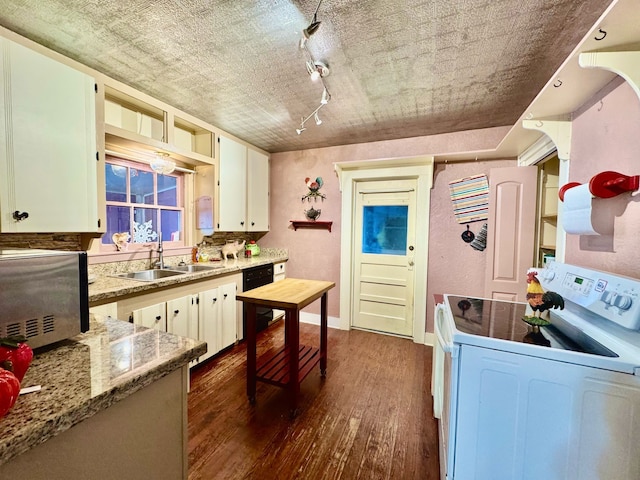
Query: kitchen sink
x,y
149,275
196,268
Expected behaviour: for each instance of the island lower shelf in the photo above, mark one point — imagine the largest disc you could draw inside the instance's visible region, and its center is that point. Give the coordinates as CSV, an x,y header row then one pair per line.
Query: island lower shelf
x,y
273,366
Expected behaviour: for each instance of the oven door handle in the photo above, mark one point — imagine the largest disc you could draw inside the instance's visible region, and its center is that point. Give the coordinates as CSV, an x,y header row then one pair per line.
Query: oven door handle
x,y
446,346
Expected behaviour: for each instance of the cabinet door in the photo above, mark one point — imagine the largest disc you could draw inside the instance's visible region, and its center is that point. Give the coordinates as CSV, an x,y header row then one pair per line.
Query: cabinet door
x,y
232,186
153,316
257,192
47,144
182,316
228,325
208,321
279,273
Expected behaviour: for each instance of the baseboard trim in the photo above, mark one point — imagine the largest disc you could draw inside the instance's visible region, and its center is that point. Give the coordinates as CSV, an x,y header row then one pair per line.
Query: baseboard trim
x,y
314,319
429,339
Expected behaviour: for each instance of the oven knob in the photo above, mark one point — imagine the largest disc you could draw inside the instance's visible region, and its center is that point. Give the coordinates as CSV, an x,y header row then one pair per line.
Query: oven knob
x,y
549,275
623,302
607,297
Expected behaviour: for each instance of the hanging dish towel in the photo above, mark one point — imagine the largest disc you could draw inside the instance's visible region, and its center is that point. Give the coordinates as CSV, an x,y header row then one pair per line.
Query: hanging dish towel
x,y
470,197
480,242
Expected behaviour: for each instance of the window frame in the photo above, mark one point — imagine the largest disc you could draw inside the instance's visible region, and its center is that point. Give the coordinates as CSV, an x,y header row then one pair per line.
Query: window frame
x,y
109,247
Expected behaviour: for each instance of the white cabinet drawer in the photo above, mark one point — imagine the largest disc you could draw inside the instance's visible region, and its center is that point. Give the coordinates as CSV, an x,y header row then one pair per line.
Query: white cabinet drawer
x,y
279,271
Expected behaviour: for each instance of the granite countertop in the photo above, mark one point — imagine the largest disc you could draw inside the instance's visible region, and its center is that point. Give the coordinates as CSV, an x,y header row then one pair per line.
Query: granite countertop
x,y
88,373
106,287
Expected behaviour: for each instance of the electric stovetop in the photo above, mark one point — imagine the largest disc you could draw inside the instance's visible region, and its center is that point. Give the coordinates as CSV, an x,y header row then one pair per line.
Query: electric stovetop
x,y
504,321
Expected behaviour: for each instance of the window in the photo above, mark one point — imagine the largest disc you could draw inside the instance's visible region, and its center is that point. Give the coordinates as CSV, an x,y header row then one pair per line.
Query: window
x,y
143,204
385,229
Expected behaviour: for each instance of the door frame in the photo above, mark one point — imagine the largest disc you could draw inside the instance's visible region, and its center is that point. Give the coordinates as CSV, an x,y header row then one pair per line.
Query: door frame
x,y
419,168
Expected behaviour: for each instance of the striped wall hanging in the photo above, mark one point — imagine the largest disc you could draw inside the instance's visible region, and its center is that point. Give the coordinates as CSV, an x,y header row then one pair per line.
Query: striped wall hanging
x,y
470,197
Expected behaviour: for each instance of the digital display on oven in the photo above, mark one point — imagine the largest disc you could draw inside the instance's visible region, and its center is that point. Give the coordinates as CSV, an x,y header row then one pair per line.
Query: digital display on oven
x,y
574,283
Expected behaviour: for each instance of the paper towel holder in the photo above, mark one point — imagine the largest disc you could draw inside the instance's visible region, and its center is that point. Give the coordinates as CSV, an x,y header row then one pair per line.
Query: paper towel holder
x,y
606,185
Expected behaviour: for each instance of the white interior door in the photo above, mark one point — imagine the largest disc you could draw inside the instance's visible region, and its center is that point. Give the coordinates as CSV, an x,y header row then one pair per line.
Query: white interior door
x,y
384,251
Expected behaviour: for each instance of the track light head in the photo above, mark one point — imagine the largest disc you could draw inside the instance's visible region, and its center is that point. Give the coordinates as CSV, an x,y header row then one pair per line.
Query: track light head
x,y
317,70
317,118
326,96
300,130
312,28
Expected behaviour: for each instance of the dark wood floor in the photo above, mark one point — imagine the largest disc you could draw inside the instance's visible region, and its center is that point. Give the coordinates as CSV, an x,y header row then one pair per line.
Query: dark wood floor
x,y
370,418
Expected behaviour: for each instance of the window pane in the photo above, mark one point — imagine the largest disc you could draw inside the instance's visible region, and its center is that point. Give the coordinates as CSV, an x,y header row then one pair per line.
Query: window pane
x,y
145,221
167,191
171,221
118,221
385,230
141,186
116,183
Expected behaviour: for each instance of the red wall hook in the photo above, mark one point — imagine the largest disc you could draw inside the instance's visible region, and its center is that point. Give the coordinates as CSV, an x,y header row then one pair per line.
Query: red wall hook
x,y
606,185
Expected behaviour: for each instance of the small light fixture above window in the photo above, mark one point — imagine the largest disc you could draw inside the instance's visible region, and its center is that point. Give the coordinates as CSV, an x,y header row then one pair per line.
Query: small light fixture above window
x,y
162,163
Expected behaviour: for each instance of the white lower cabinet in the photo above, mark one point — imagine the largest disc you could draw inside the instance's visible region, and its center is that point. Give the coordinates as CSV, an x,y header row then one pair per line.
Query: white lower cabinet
x,y
207,311
182,316
153,316
217,318
279,273
208,321
228,324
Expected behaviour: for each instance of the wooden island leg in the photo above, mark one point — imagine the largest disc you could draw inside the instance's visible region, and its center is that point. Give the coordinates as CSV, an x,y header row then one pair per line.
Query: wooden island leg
x,y
293,344
323,335
251,352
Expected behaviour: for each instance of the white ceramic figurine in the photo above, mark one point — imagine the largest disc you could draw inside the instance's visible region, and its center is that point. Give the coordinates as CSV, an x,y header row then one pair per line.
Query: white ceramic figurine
x,y
232,249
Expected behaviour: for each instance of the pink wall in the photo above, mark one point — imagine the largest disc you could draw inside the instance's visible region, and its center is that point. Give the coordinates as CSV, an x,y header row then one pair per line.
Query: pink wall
x,y
316,253
454,266
606,136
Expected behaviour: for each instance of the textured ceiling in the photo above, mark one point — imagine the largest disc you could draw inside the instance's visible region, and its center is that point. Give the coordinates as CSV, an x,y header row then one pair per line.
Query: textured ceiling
x,y
399,68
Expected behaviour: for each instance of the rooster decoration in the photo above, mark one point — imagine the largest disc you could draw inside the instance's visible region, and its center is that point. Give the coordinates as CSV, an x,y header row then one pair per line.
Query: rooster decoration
x,y
538,298
314,186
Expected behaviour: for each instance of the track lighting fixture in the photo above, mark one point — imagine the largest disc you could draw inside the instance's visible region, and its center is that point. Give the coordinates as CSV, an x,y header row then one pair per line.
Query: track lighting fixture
x,y
317,71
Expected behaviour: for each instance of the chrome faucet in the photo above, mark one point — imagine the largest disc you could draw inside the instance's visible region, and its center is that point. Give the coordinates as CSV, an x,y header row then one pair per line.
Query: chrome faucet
x,y
160,262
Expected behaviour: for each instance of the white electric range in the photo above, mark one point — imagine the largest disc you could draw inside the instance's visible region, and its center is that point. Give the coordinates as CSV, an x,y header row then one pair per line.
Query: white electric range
x,y
558,402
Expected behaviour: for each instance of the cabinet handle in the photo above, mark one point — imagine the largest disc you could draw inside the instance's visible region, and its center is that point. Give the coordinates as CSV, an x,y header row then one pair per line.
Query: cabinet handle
x,y
176,312
17,216
242,223
215,300
253,223
158,318
225,295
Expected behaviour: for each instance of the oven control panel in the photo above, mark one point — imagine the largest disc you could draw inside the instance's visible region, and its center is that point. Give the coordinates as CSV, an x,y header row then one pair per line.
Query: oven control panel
x,y
613,297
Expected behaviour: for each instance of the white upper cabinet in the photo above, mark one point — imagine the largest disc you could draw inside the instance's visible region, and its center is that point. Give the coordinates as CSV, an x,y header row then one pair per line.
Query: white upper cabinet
x,y
257,191
48,164
243,188
232,213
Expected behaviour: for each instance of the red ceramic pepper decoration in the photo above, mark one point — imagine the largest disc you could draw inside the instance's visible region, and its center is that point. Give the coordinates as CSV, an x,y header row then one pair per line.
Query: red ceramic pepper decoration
x,y
15,356
9,391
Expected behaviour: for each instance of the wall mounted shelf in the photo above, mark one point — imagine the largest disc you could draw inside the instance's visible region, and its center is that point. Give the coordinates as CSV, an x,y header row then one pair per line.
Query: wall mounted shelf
x,y
310,224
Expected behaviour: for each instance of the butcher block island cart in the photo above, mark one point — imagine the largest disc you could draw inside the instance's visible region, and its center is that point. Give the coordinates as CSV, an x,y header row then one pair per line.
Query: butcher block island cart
x,y
112,405
288,366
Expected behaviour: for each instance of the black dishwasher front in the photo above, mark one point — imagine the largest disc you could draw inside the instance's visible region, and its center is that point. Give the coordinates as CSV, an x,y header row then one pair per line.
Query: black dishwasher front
x,y
255,277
